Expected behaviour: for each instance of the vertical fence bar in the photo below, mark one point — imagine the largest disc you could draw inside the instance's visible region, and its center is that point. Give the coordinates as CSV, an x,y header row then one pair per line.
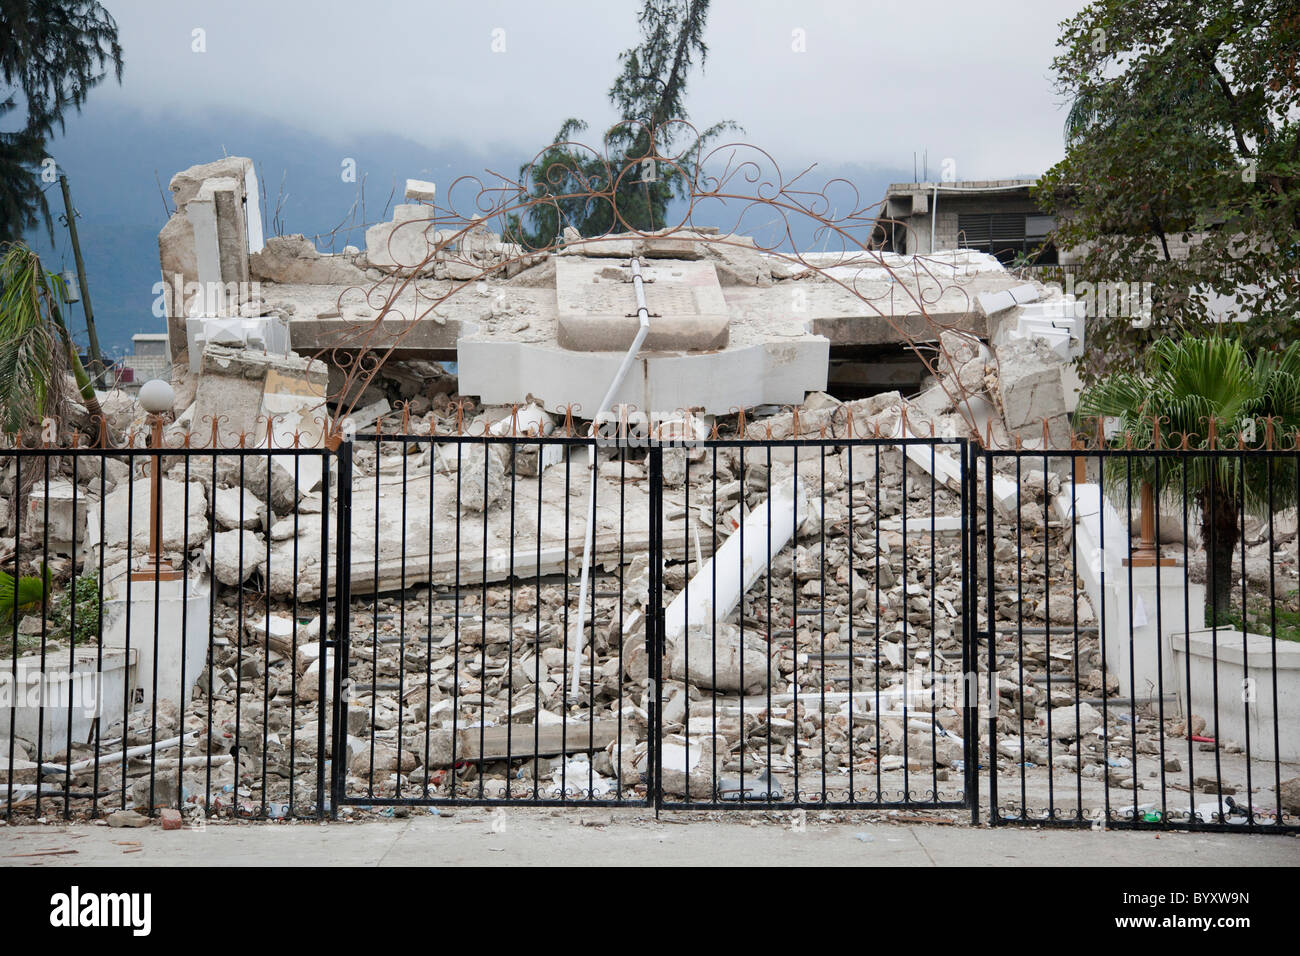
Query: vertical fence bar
x,y
98,726
1074,629
333,650
13,660
342,625
995,816
970,628
654,626
72,651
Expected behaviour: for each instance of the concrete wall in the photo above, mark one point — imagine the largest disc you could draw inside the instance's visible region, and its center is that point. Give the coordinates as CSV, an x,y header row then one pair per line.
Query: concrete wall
x,y
945,208
1232,682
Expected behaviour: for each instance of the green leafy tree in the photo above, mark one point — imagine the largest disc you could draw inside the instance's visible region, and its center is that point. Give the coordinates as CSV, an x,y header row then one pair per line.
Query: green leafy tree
x,y
571,184
1199,387
52,53
36,351
1182,165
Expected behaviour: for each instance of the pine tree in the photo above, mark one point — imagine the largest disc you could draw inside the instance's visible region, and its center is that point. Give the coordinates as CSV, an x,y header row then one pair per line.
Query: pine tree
x,y
52,53
570,184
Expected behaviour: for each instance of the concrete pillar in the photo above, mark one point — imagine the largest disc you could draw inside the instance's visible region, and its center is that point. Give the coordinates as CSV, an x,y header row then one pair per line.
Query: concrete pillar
x,y
169,648
216,216
201,211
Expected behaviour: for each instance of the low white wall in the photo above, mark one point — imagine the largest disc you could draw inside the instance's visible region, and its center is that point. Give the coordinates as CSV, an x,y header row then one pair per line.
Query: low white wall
x,y
182,635
37,704
1239,669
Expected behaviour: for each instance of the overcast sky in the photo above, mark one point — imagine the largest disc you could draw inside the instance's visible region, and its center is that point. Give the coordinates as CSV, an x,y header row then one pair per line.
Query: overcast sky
x,y
877,81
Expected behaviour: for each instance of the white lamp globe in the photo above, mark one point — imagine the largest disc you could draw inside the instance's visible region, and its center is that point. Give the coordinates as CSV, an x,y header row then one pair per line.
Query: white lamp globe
x,y
156,396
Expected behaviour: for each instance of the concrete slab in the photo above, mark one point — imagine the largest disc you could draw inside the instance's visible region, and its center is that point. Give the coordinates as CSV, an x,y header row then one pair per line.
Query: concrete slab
x,y
779,371
394,542
597,309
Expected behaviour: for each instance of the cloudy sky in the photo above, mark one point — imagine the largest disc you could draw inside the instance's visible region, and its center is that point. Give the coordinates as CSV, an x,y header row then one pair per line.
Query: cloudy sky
x,y
875,81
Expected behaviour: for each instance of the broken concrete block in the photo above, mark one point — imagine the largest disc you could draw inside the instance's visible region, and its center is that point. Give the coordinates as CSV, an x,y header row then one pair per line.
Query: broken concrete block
x,y
233,566
1289,793
1030,390
237,508
283,495
186,184
65,507
309,680
127,818
459,271
181,505
738,263
230,391
121,410
262,333
956,349
598,308
687,766
529,460
295,259
176,255
482,475
246,392
160,792
1064,725
991,303
420,190
405,243
709,658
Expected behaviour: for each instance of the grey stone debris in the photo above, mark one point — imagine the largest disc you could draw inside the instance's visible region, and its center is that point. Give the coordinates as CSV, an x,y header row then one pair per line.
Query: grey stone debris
x,y
474,686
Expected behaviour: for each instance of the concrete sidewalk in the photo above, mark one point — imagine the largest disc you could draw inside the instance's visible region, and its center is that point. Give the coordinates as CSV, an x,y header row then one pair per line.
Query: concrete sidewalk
x,y
528,837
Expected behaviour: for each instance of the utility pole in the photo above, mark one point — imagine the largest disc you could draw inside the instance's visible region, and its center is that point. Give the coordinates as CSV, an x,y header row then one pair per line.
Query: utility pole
x,y
95,358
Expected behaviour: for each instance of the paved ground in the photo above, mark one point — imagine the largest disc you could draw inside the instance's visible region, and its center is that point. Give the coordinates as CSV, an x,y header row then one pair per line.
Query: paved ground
x,y
587,837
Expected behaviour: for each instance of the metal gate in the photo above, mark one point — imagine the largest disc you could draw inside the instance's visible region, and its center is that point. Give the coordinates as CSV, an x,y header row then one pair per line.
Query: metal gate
x,y
820,657
484,655
777,623
1123,691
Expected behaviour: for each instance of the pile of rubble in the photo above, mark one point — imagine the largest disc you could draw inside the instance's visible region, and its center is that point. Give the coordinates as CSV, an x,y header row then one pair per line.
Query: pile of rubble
x,y
837,670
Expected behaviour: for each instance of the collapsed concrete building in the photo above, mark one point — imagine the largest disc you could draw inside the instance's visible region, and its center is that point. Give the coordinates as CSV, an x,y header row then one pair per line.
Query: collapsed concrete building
x,y
732,326
466,567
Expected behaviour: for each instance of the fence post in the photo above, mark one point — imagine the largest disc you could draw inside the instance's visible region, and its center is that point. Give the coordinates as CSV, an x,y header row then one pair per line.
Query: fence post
x,y
989,632
655,624
342,619
970,643
324,635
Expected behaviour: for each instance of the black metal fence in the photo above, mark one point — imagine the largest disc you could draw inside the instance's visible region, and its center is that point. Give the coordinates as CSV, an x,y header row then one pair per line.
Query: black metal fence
x,y
1145,638
496,672
734,628
161,642
819,658
778,623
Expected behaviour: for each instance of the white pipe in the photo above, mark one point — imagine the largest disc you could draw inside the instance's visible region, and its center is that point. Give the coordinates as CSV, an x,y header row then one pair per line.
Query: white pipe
x,y
131,753
730,572
643,314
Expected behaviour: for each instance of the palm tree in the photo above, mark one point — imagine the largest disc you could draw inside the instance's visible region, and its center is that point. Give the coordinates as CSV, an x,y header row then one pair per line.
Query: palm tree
x,y
1198,387
36,351
24,593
